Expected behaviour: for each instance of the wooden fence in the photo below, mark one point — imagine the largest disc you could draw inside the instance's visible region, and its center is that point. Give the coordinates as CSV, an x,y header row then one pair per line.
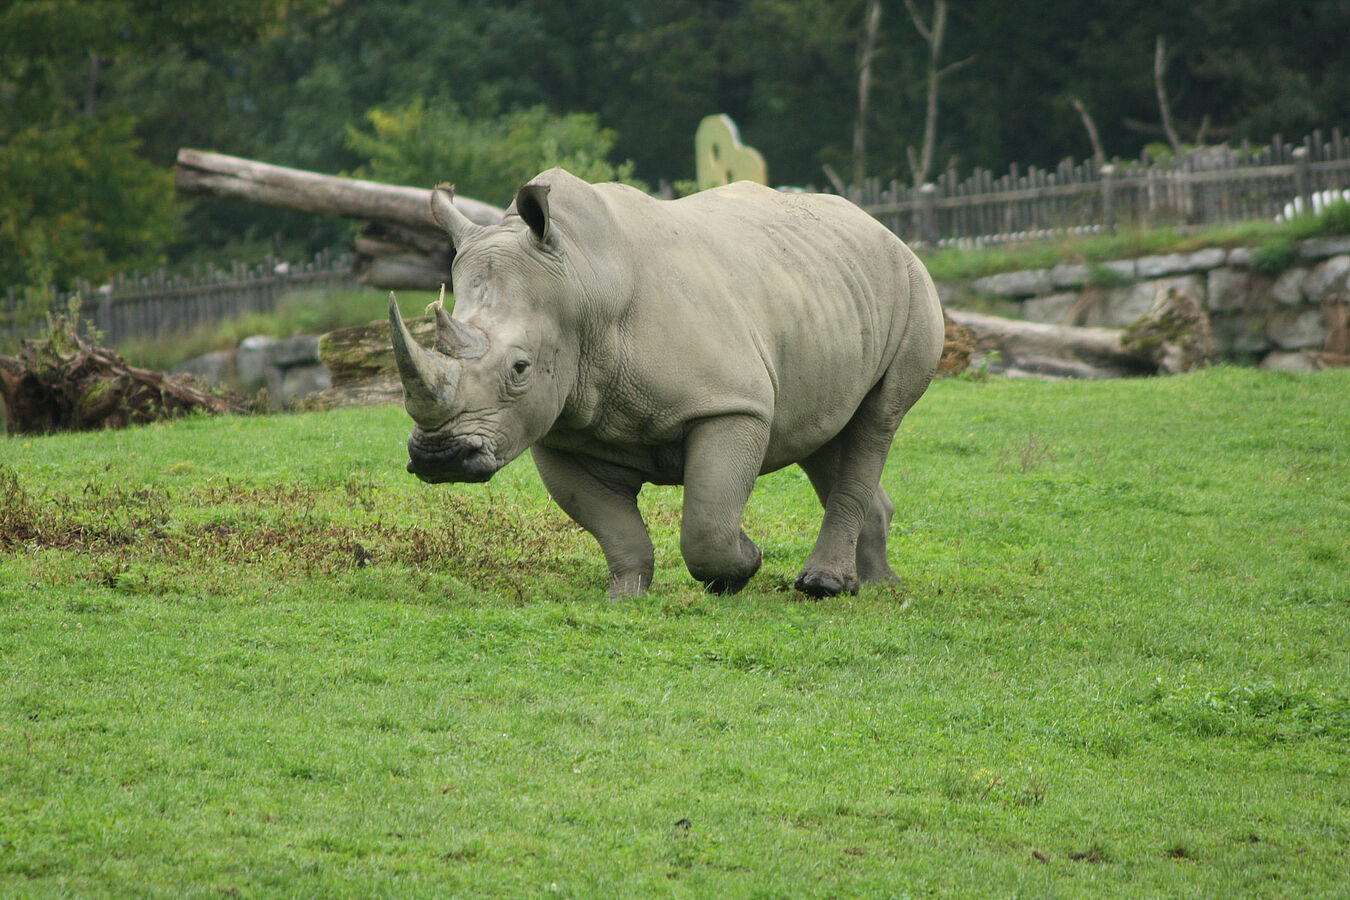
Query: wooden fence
x,y
1208,186
137,305
1212,185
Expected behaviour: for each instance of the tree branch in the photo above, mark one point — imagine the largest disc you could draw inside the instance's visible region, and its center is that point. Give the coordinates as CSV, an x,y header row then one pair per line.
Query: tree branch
x,y
1164,108
1098,153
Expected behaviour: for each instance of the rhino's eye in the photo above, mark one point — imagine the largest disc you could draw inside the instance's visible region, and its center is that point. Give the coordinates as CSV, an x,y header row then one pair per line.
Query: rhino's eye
x,y
520,367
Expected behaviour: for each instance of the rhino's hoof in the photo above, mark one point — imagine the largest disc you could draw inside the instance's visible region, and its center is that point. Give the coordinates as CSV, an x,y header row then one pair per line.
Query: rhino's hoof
x,y
725,585
823,584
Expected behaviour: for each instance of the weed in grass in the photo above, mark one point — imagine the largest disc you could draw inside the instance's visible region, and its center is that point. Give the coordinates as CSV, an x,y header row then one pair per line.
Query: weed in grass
x,y
1033,453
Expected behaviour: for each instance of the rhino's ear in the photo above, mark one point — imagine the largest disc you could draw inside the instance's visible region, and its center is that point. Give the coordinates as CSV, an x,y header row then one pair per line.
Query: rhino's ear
x,y
448,216
532,205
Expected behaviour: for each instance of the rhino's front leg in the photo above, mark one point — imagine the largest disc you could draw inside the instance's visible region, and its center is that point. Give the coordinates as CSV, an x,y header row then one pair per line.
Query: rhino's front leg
x,y
602,498
722,458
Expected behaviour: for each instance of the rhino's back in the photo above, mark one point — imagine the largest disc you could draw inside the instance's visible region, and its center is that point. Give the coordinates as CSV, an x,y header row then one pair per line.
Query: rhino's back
x,y
795,303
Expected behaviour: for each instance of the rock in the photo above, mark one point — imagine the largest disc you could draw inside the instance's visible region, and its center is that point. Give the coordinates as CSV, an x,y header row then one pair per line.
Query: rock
x,y
1180,263
215,369
1069,275
1327,278
1240,257
1282,361
1292,330
1288,287
1127,305
1027,283
284,353
1054,309
250,367
1320,248
1209,258
1336,318
1160,266
1238,336
1227,289
298,382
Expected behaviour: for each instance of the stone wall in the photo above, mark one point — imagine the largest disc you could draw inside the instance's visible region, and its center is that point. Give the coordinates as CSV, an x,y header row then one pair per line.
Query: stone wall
x,y
1280,321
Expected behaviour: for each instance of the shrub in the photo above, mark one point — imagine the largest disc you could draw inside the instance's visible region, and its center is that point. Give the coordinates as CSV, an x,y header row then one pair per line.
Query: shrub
x,y
486,157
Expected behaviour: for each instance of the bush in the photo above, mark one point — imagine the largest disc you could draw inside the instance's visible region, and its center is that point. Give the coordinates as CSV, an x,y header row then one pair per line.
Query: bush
x,y
487,157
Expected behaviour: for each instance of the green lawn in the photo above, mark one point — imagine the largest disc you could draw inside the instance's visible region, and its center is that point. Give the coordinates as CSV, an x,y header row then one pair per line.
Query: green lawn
x,y
253,657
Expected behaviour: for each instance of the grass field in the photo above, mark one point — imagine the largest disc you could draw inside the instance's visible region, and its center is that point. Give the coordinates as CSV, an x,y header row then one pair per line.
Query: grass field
x,y
252,657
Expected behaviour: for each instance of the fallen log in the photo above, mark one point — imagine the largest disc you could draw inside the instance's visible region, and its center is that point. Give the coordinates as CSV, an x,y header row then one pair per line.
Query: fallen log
x,y
400,247
1065,351
232,177
62,383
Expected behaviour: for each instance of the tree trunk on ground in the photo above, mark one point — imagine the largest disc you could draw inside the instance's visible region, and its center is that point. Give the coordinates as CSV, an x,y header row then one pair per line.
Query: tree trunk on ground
x,y
1066,351
360,360
61,383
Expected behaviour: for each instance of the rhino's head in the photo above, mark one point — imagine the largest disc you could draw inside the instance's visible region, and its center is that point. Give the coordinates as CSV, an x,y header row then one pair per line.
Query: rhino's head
x,y
498,374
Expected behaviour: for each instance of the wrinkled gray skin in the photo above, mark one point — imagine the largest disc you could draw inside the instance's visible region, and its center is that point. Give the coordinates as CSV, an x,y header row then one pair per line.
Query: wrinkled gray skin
x,y
701,341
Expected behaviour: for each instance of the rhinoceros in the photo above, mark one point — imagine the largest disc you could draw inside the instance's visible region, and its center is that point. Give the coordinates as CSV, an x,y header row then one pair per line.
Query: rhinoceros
x,y
704,341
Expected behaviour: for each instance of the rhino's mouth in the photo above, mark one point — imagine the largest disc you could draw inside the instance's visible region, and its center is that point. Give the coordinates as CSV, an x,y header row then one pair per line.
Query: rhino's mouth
x,y
436,459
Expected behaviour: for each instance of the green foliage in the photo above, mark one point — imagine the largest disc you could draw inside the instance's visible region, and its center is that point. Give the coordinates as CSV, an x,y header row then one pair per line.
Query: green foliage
x,y
1334,218
254,657
1274,255
486,157
76,201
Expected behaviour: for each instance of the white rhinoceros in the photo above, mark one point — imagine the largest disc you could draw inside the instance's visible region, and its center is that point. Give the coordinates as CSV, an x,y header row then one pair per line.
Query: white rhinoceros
x,y
702,341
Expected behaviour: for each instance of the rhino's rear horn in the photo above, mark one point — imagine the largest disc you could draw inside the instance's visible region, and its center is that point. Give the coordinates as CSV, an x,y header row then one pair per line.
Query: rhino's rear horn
x,y
428,378
456,339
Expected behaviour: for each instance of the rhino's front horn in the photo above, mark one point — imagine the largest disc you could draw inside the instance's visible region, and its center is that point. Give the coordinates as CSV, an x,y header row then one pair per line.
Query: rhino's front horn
x,y
447,215
428,378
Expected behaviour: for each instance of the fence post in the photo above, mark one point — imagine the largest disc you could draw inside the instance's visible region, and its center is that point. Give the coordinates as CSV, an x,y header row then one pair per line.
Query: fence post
x,y
928,214
1108,173
1302,181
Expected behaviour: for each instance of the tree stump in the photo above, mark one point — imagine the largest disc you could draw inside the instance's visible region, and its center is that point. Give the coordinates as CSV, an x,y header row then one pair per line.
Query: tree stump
x,y
1175,333
62,383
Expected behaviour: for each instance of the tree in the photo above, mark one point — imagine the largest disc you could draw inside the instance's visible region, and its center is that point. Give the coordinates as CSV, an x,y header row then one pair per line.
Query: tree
x,y
867,48
76,201
486,157
934,34
77,198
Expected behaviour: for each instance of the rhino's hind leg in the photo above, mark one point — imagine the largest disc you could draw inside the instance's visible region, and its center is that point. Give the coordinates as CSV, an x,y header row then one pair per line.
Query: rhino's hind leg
x,y
870,556
603,500
851,544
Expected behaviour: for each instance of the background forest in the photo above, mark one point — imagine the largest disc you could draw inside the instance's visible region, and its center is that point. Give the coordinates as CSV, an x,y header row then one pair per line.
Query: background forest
x,y
96,98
